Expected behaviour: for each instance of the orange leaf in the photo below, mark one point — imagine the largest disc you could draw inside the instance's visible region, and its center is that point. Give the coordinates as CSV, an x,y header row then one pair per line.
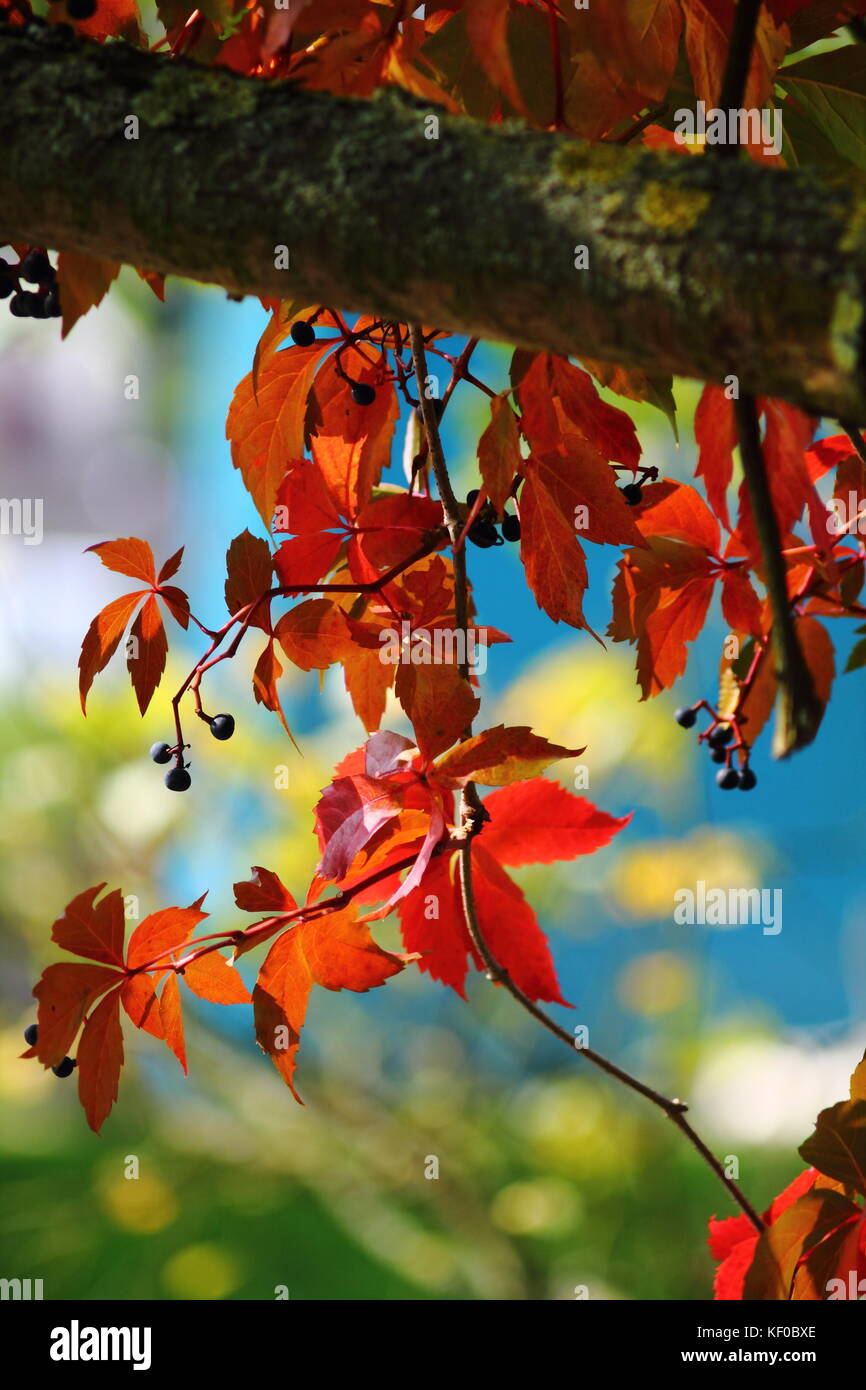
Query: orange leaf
x,y
83,282
334,951
129,556
351,444
439,702
138,997
554,562
102,639
499,756
266,430
211,977
168,928
172,1018
91,929
100,1059
265,676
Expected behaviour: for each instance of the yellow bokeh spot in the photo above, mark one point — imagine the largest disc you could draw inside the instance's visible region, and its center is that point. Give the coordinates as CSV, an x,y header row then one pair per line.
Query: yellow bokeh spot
x,y
656,984
205,1271
588,700
539,1207
648,876
143,1205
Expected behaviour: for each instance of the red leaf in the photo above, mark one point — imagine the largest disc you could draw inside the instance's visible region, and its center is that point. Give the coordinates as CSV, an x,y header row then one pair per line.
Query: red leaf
x,y
432,925
265,676
91,929
499,455
349,813
302,561
716,435
102,639
554,562
264,892
249,575
539,822
147,651
554,394
100,1059
171,567
679,512
740,604
487,33
65,993
511,930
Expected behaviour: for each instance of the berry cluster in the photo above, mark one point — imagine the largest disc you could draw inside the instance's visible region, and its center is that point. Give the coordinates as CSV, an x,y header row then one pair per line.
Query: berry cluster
x,y
483,530
177,779
724,740
64,1068
304,335
33,268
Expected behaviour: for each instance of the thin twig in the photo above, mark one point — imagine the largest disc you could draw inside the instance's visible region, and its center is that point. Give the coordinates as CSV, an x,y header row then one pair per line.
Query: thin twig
x,y
674,1109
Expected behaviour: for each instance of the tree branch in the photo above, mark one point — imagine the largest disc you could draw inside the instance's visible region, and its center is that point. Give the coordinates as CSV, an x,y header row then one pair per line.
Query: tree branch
x,y
702,267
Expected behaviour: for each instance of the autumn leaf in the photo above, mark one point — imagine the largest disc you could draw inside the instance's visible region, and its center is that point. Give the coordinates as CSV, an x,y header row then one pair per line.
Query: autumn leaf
x,y
530,822
266,428
263,892
499,756
336,952
83,282
249,575
100,1059
499,457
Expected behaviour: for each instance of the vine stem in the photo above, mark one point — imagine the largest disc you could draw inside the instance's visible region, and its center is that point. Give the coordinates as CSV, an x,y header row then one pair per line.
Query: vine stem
x,y
799,708
673,1108
474,815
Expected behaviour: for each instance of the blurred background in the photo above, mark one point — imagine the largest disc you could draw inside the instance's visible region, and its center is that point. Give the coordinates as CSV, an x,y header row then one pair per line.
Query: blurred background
x,y
550,1178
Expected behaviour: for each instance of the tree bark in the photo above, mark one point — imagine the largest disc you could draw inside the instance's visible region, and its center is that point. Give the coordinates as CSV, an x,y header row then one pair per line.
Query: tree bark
x,y
706,268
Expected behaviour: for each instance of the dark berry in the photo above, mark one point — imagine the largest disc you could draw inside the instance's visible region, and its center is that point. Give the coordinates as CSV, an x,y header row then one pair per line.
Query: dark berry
x,y
64,1068
719,755
727,777
31,1033
7,285
178,779
362,394
632,494
222,726
26,304
303,333
52,303
748,780
511,527
160,752
484,534
686,718
81,9
471,497
720,736
36,268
